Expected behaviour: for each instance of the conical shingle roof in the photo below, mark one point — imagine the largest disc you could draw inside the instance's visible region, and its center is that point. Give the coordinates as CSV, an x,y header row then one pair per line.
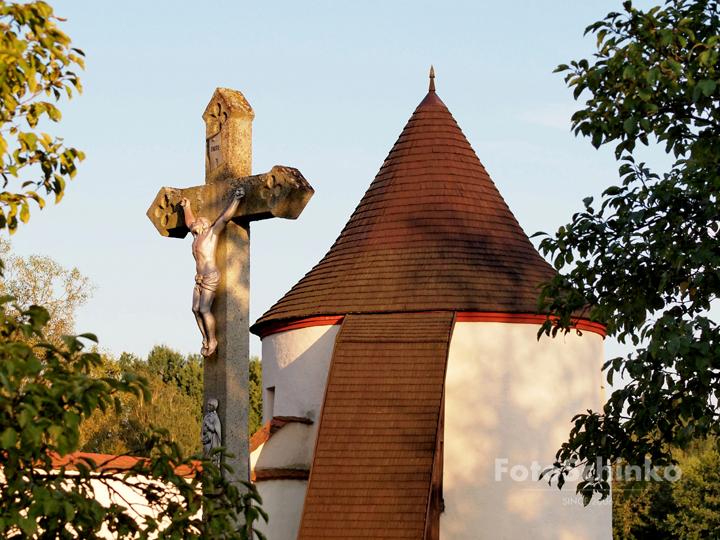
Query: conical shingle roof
x,y
432,233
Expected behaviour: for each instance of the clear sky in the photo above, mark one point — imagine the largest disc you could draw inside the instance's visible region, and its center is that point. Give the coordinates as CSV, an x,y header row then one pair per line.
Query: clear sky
x,y
332,84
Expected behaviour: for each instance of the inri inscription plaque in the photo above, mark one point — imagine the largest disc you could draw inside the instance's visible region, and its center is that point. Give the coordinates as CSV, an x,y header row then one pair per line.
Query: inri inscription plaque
x,y
214,151
216,119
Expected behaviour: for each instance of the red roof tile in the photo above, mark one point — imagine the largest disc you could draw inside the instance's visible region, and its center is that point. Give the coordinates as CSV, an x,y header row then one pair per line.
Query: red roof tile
x,y
268,430
431,233
110,463
377,442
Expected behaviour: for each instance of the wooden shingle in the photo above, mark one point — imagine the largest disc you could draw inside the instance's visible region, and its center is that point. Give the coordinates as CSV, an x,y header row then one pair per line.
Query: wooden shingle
x,y
376,455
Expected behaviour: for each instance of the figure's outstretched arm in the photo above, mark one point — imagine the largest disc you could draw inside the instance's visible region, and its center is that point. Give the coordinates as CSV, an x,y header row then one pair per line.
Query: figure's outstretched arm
x,y
230,211
189,218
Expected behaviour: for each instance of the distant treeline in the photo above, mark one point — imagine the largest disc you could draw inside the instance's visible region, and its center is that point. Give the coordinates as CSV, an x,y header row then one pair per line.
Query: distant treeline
x,y
176,383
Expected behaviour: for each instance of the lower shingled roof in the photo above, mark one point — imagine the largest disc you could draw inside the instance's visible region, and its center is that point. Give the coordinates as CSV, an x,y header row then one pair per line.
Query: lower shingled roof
x,y
378,438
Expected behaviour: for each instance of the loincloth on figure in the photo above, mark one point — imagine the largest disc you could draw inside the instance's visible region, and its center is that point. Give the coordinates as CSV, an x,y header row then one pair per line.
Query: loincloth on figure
x,y
209,281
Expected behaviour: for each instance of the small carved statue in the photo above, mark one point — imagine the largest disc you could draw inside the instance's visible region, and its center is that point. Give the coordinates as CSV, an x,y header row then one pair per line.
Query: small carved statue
x,y
211,432
207,279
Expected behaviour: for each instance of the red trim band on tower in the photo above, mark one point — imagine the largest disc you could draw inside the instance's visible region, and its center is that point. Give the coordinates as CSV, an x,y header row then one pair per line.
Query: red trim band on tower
x,y
462,316
284,326
527,318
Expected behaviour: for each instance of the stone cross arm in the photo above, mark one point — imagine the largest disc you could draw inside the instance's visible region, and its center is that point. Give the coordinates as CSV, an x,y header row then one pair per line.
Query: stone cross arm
x,y
282,192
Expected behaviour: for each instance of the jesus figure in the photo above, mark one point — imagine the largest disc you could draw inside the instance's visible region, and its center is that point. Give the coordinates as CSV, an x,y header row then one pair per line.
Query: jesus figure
x,y
207,279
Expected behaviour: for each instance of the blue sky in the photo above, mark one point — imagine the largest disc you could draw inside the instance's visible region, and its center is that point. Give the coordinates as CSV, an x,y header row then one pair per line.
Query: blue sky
x,y
332,85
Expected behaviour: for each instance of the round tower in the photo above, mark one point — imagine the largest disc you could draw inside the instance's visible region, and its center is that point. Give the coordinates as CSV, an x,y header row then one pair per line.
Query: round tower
x,y
410,352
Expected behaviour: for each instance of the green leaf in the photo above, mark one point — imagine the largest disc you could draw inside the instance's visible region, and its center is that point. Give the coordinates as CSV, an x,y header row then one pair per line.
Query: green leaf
x,y
645,94
8,439
56,432
646,262
631,125
707,87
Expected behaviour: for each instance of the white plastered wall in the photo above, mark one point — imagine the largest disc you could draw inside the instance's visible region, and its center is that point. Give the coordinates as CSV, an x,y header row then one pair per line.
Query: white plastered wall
x,y
291,447
283,501
511,397
296,363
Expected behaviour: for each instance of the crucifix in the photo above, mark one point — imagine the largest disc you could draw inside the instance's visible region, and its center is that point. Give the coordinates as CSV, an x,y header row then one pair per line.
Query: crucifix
x,y
228,201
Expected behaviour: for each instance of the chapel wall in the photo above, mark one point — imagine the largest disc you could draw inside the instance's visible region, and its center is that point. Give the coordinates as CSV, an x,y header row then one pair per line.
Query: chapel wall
x,y
296,363
511,397
283,501
291,447
295,366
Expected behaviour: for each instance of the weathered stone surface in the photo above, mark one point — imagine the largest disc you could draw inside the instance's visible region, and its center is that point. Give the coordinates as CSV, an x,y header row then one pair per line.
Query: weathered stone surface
x,y
228,125
229,118
227,372
283,192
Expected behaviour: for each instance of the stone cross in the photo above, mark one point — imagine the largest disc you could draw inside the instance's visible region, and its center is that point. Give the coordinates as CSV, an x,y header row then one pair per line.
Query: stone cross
x,y
282,192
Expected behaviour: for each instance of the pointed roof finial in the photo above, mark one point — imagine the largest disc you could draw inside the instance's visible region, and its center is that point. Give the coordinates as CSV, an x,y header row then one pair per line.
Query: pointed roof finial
x,y
432,78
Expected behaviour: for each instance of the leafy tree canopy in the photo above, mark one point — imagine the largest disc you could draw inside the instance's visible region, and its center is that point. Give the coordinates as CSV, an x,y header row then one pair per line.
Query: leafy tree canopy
x,y
46,394
176,385
172,367
256,406
106,432
185,372
646,258
697,497
36,60
47,391
684,509
40,281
